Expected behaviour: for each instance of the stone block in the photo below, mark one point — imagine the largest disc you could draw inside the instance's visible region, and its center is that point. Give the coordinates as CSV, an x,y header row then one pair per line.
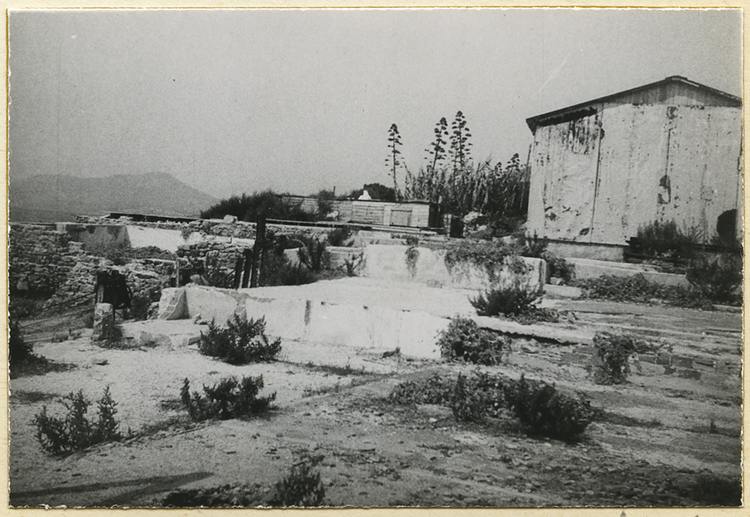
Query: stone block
x,y
104,320
173,304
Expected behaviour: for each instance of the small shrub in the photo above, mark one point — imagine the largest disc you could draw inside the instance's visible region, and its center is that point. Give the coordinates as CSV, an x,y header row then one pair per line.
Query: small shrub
x,y
665,240
352,264
302,487
141,302
535,246
613,350
241,342
467,403
464,340
314,254
229,398
544,411
114,338
718,280
275,269
19,351
559,267
76,431
339,236
434,390
516,301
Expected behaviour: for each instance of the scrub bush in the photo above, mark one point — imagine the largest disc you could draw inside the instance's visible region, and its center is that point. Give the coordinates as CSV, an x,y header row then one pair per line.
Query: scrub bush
x,y
512,300
541,409
229,398
464,340
544,411
535,246
467,403
339,236
75,431
666,240
613,350
314,254
516,301
19,351
718,280
241,342
302,487
559,267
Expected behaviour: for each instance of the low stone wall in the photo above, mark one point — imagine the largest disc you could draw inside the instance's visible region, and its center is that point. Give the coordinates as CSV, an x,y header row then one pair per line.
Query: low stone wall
x,y
309,319
40,258
43,260
427,265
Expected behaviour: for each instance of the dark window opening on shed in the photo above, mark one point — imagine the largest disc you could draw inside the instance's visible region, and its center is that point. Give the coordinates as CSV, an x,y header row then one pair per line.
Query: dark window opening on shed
x,y
726,226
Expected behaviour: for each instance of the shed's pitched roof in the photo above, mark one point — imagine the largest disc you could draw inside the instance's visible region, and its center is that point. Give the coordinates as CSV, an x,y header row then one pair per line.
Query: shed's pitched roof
x,y
587,108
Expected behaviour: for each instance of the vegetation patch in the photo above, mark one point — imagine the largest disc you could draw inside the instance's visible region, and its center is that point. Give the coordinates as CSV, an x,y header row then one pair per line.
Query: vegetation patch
x,y
340,236
711,490
75,431
225,496
240,342
301,487
516,301
559,267
545,411
540,408
637,289
665,240
614,352
718,280
229,398
489,255
464,340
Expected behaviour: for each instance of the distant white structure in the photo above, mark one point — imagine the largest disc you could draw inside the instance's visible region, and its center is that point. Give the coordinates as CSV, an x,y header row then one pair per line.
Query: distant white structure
x,y
365,196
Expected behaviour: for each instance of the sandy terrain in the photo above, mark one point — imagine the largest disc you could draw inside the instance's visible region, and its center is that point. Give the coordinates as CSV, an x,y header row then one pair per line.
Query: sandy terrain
x,y
664,431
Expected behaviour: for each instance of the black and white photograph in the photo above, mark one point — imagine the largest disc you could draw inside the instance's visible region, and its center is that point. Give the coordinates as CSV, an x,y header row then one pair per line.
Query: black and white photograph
x,y
375,258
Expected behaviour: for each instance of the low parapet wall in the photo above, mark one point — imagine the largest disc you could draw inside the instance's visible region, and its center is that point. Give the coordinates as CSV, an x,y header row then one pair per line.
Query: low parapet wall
x,y
354,312
427,265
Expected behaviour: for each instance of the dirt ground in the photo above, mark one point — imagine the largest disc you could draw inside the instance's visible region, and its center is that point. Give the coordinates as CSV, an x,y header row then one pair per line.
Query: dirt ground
x,y
667,436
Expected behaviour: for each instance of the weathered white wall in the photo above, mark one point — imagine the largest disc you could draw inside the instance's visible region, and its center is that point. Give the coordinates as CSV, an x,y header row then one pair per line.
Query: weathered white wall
x,y
624,164
563,175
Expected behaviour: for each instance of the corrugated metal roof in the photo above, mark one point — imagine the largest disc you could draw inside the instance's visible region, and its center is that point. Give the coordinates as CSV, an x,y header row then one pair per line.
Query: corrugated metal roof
x,y
585,108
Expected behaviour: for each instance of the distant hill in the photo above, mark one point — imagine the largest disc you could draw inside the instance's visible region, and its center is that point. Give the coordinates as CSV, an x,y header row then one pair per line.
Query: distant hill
x,y
62,198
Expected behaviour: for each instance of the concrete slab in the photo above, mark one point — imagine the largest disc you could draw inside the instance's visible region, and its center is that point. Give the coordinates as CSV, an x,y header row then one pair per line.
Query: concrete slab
x,y
588,268
170,334
356,312
554,332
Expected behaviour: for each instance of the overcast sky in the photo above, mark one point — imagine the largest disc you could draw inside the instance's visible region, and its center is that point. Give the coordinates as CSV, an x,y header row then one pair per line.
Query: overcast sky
x,y
298,100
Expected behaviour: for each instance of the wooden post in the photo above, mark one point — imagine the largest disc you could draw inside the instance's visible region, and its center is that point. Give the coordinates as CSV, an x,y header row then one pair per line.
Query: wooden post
x,y
237,273
260,238
248,266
